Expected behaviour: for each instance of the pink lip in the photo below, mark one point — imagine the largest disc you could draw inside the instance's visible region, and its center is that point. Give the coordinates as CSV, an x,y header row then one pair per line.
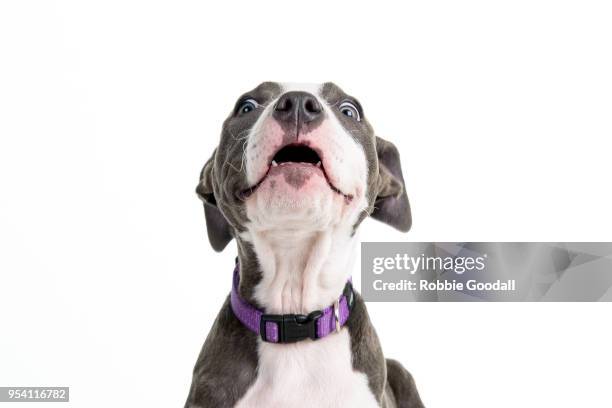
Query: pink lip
x,y
249,191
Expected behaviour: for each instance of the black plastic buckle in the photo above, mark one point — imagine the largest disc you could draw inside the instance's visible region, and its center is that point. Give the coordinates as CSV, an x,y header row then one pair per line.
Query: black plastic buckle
x,y
292,327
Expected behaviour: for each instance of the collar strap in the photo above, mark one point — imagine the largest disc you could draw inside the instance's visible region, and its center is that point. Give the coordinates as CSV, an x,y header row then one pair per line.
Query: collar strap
x,y
289,328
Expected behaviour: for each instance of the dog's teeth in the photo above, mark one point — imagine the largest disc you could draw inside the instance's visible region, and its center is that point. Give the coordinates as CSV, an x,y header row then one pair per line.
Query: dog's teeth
x,y
274,163
318,164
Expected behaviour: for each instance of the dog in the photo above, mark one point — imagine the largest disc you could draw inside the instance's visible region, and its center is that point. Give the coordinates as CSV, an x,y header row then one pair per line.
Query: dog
x,y
297,169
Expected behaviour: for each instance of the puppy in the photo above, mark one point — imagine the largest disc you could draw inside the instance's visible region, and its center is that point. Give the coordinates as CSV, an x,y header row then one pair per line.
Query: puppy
x,y
298,168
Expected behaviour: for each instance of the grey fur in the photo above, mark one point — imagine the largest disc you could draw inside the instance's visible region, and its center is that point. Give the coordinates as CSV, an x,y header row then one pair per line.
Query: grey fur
x,y
227,364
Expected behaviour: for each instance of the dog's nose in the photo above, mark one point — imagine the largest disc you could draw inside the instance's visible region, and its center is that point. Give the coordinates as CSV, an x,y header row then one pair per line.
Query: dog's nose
x,y
298,108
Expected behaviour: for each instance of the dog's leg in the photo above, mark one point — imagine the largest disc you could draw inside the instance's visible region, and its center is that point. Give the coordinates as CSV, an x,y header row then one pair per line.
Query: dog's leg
x,y
402,386
227,364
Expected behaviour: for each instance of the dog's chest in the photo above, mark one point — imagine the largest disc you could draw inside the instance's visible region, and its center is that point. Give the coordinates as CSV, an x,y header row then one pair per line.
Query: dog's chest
x,y
308,374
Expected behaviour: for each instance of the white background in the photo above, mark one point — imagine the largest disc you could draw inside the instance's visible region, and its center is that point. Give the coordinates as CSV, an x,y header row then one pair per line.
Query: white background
x,y
501,111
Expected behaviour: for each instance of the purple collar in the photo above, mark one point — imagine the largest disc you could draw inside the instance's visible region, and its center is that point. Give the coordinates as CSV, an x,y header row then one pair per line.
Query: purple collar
x,y
289,328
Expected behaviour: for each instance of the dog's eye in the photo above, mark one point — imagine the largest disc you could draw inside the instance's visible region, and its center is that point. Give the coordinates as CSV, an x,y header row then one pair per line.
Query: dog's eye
x,y
247,106
350,110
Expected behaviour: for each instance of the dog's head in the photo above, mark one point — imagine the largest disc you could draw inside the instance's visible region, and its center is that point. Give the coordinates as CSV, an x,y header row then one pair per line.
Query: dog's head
x,y
300,158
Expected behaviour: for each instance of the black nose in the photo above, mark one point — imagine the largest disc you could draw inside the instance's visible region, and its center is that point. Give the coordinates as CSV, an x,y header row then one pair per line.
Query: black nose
x,y
297,108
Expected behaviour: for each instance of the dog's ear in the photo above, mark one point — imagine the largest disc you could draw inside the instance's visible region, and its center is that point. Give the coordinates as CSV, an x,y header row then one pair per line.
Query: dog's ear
x,y
391,205
219,230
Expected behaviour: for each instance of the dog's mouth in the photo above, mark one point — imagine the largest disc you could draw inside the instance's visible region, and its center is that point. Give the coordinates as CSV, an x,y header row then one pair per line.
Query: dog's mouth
x,y
296,154
291,155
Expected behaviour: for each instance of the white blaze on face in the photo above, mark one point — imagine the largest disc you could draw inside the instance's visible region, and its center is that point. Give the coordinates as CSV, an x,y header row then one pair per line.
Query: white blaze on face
x,y
295,195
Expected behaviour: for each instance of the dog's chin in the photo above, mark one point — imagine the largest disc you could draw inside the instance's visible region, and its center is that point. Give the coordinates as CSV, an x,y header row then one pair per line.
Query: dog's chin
x,y
295,195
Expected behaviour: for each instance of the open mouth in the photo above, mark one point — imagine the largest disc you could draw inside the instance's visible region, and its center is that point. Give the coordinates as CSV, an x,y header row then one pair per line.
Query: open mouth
x,y
295,154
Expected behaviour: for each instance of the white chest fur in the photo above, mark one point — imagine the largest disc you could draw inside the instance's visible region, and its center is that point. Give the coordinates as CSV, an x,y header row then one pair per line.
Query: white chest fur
x,y
301,274
308,374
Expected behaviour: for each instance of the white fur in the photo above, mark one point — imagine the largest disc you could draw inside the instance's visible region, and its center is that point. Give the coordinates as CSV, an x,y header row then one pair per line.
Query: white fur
x,y
307,251
308,374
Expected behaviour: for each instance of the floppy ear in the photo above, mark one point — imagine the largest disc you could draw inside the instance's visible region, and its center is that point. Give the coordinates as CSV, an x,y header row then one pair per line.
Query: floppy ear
x,y
391,205
219,230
